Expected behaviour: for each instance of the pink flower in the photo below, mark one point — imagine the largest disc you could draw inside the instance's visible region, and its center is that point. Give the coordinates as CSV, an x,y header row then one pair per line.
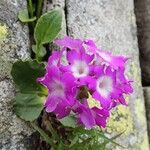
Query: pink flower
x,y
68,42
103,86
79,63
105,58
61,90
109,60
87,70
91,117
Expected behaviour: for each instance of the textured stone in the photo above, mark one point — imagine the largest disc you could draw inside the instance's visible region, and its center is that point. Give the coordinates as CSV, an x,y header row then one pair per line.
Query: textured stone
x,y
111,24
49,5
147,104
14,45
142,10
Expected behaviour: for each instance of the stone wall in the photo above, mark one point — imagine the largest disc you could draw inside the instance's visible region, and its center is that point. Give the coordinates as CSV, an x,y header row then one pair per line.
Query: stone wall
x,y
14,45
147,104
112,25
142,10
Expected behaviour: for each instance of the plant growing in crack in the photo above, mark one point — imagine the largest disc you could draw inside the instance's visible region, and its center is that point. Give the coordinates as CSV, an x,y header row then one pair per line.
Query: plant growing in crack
x,y
69,98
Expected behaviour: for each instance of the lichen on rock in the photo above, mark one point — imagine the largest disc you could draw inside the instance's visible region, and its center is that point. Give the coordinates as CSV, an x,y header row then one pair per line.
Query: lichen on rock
x,y
3,32
112,25
120,121
14,45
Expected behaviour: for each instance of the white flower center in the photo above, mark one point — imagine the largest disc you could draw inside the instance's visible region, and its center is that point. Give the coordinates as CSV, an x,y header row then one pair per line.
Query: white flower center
x,y
55,62
80,69
57,88
104,86
105,56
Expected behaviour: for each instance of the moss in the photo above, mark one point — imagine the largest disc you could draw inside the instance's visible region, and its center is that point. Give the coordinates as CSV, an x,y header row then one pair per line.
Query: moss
x,y
92,102
144,145
7,51
3,32
139,110
120,121
134,72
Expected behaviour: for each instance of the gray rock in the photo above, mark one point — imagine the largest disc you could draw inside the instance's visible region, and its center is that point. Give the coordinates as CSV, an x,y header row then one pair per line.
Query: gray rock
x,y
147,104
49,5
14,45
111,24
142,10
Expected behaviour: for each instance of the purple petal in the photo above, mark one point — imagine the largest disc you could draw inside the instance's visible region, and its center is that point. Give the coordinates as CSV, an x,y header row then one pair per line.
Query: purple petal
x,y
45,80
102,112
51,104
100,121
69,81
87,118
87,58
54,59
122,100
69,43
91,83
113,61
90,46
62,109
105,102
72,56
64,69
53,72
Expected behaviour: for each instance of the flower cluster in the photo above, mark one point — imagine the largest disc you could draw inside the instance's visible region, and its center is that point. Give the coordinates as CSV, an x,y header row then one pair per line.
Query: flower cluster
x,y
78,71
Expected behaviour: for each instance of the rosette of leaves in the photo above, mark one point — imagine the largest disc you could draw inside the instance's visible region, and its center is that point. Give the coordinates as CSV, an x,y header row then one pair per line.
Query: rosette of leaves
x,y
61,134
29,100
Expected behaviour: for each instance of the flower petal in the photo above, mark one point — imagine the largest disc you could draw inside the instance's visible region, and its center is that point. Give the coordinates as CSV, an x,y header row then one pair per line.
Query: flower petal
x,y
69,43
51,104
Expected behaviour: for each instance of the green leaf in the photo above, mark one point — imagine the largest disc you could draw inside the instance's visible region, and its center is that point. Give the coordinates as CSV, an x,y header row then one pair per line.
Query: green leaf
x,y
48,27
25,75
39,50
24,16
68,121
74,141
43,134
109,140
28,106
116,136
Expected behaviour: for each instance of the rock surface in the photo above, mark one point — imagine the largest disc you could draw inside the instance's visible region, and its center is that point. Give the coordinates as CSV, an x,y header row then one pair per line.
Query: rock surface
x,y
14,45
111,24
49,5
147,104
142,10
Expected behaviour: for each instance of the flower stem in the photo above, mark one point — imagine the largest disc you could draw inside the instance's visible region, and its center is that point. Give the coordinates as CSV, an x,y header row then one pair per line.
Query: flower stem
x,y
53,132
31,13
39,8
30,8
43,134
37,53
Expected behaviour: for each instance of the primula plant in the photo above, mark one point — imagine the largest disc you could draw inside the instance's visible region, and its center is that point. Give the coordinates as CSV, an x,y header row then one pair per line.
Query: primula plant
x,y
87,71
69,98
